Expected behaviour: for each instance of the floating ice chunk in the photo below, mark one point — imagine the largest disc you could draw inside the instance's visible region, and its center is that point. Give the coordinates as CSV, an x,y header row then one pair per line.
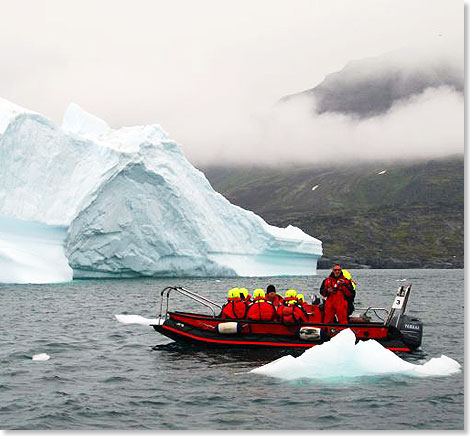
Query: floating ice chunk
x,y
438,366
42,357
137,319
342,357
381,172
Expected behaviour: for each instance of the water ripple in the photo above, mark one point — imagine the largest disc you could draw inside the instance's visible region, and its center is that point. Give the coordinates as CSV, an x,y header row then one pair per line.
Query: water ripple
x,y
106,375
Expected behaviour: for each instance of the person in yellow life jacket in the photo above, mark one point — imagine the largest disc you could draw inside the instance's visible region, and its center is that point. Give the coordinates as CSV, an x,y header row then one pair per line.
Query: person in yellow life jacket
x,y
290,312
244,294
236,307
290,297
350,299
260,309
258,295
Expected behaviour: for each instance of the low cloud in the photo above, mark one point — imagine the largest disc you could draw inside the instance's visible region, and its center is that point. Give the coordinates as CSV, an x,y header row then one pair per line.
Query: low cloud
x,y
422,116
427,125
210,72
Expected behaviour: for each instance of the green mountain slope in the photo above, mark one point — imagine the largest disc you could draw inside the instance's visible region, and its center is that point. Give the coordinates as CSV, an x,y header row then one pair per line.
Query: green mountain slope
x,y
409,216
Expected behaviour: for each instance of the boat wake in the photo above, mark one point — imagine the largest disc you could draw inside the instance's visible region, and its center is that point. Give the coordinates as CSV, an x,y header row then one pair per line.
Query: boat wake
x,y
341,357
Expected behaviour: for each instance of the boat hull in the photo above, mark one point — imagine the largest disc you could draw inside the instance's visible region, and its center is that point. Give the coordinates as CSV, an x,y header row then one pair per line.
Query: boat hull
x,y
203,330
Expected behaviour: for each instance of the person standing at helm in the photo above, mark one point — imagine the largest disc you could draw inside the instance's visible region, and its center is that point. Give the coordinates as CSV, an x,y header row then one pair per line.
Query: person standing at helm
x,y
336,288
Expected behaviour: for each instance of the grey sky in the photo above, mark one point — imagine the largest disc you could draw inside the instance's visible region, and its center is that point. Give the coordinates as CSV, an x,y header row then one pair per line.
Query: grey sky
x,y
205,70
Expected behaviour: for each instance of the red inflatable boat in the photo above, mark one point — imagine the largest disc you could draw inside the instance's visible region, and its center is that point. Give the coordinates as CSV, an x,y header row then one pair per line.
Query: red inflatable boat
x,y
397,331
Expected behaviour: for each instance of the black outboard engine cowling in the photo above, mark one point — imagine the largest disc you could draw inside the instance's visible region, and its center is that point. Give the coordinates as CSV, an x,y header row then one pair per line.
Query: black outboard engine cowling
x,y
411,330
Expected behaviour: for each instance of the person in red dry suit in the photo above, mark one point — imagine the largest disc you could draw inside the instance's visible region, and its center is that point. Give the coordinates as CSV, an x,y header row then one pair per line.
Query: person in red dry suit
x,y
337,289
236,307
273,297
290,312
314,314
260,309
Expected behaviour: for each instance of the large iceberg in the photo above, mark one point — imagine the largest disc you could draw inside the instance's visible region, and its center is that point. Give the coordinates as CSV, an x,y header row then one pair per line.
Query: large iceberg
x,y
132,204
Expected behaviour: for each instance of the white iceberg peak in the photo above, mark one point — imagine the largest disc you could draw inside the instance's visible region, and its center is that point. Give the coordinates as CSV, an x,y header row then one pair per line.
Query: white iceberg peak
x,y
8,111
77,120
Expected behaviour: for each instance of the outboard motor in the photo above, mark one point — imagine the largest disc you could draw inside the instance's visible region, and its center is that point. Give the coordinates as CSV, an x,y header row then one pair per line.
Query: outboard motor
x,y
411,329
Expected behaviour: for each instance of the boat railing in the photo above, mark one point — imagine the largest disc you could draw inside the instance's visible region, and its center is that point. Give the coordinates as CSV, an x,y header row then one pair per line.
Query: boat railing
x,y
211,305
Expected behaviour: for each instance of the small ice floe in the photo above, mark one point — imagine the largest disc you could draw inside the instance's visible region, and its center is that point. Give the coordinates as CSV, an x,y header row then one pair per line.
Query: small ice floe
x,y
315,187
137,319
382,172
341,357
42,357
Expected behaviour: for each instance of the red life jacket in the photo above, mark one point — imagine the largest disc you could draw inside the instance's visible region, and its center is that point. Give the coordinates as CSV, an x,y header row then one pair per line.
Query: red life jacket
x,y
274,298
314,313
235,308
291,314
331,282
261,311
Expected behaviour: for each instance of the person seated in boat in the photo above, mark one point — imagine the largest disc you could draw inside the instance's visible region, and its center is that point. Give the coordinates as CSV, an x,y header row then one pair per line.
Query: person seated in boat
x,y
302,302
290,312
260,309
245,295
350,300
315,312
236,307
336,288
273,297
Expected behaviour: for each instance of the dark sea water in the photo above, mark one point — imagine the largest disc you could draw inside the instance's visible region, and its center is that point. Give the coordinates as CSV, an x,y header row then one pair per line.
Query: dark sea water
x,y
107,375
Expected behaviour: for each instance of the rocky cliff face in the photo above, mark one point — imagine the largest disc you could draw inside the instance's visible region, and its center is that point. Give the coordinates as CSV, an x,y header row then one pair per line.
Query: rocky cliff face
x,y
380,215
